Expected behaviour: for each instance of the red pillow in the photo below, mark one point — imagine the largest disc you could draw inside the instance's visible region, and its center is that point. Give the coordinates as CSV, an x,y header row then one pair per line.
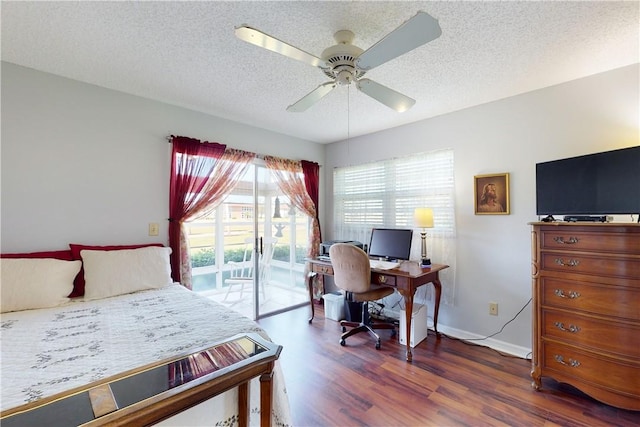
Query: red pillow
x,y
63,255
78,283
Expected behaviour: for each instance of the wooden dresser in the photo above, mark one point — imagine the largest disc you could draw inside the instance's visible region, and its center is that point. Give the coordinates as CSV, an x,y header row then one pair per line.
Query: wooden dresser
x,y
586,320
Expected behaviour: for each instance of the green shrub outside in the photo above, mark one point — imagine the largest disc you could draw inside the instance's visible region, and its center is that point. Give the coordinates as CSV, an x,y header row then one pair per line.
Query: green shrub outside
x,y
206,257
203,257
281,253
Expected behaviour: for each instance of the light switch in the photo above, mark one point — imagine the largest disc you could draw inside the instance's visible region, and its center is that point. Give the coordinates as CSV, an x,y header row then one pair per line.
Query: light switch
x,y
154,229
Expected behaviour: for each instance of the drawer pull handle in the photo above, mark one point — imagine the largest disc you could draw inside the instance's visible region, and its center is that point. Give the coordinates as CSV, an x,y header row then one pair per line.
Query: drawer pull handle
x,y
382,279
573,363
571,241
571,263
572,328
570,295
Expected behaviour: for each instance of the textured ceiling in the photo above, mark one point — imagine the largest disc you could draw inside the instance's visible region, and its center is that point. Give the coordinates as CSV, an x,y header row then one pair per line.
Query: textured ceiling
x,y
186,54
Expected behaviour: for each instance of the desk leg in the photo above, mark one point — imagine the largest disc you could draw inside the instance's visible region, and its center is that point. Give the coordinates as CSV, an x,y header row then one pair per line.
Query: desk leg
x,y
310,278
408,311
437,286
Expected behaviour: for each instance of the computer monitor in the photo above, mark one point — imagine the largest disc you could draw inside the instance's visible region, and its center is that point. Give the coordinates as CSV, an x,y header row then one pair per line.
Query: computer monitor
x,y
390,243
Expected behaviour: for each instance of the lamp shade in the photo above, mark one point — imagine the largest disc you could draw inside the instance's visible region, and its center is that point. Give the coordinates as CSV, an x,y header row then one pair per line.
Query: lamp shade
x,y
423,217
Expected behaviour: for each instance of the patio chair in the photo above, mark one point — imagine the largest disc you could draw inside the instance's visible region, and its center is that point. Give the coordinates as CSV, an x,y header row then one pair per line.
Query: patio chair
x,y
242,272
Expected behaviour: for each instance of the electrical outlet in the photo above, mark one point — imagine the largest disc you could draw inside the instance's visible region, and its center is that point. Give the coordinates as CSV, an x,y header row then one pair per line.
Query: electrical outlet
x,y
154,229
493,308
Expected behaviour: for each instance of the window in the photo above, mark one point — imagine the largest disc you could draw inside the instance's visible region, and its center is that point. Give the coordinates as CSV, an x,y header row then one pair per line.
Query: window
x,y
385,194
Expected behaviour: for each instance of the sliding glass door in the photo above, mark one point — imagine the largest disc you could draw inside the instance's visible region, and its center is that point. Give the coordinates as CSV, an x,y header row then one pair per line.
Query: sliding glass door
x,y
280,222
249,253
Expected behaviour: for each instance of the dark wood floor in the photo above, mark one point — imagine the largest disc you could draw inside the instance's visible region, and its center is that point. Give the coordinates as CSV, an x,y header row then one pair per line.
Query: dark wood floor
x,y
449,383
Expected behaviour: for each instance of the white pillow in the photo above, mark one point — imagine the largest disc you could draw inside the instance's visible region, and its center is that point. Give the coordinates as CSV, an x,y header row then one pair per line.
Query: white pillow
x,y
29,283
111,273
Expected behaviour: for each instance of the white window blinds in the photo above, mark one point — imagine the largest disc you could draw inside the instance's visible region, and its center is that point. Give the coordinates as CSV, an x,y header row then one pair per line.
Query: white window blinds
x,y
385,194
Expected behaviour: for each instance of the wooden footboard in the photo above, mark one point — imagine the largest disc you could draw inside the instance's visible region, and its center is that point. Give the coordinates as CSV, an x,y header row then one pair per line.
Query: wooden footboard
x,y
156,392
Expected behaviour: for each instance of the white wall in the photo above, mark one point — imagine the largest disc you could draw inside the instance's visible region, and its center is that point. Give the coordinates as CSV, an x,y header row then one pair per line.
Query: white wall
x,y
593,114
84,164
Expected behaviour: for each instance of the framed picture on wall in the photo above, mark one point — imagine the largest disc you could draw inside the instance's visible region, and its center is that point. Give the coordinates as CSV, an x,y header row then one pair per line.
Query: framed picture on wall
x,y
491,194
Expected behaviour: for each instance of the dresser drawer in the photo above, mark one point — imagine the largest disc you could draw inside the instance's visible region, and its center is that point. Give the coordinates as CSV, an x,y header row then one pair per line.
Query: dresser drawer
x,y
323,269
617,241
383,279
594,265
595,298
620,375
615,337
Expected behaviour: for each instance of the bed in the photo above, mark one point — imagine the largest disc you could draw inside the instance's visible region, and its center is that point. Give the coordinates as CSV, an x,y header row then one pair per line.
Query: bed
x,y
130,315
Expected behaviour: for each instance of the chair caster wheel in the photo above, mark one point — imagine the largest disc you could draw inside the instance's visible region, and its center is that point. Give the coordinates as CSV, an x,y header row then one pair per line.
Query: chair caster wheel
x,y
343,343
377,345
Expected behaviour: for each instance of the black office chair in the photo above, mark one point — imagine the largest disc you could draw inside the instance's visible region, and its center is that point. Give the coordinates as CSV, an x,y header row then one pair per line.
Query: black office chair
x,y
352,273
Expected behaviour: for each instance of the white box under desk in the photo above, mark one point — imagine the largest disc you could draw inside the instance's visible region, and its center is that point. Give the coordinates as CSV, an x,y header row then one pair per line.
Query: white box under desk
x,y
419,326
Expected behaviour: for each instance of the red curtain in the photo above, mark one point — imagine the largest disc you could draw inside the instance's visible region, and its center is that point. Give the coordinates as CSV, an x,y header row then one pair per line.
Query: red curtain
x,y
311,171
192,165
303,193
287,174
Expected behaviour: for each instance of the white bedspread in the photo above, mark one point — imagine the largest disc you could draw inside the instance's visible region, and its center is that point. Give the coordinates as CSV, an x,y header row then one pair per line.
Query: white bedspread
x,y
48,351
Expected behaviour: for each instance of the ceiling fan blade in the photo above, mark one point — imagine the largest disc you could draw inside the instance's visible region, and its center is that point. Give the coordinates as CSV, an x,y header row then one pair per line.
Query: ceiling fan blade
x,y
415,32
389,97
311,98
258,38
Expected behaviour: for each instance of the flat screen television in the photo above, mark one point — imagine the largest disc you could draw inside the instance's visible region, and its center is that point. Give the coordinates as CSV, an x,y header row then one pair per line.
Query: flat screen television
x,y
604,183
390,243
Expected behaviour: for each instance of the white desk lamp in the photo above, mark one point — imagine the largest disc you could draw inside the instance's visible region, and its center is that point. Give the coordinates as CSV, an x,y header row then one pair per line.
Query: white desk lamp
x,y
423,218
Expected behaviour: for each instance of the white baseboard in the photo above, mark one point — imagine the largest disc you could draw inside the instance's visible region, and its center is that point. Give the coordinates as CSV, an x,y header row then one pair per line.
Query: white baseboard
x,y
501,346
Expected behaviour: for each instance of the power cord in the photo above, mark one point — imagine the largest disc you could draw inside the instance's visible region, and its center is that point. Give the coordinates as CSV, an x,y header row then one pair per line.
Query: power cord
x,y
507,355
503,326
468,341
376,310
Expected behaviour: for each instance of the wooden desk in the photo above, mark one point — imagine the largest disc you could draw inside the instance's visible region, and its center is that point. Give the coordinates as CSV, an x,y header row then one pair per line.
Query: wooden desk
x,y
406,278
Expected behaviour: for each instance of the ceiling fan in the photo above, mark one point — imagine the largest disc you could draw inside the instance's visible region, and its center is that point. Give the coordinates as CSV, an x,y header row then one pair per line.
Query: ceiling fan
x,y
345,63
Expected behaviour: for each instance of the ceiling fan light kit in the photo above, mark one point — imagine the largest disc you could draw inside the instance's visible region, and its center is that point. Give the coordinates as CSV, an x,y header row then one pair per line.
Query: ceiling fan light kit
x,y
345,63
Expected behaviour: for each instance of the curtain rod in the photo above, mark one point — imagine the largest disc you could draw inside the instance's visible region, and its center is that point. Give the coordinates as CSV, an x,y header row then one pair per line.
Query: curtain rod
x,y
169,139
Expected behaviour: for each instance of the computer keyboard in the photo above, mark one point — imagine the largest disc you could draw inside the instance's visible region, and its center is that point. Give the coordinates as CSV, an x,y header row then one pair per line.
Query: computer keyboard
x,y
383,265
